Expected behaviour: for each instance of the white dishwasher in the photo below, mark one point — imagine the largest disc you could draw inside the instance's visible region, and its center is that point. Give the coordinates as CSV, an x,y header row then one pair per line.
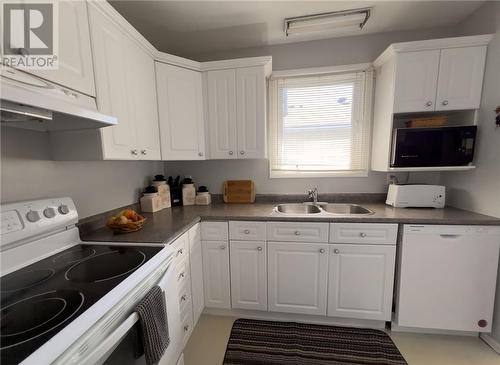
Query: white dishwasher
x,y
447,277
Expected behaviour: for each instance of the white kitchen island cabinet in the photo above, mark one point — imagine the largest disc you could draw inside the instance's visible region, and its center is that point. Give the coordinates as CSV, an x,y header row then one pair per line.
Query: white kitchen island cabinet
x,y
297,277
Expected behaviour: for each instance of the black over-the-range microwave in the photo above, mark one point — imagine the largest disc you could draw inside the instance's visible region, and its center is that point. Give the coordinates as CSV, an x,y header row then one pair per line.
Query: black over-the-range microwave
x,y
438,146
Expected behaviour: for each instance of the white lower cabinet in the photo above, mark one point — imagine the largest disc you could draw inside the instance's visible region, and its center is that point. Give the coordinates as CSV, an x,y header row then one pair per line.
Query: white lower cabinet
x,y
216,282
297,277
196,259
248,274
360,281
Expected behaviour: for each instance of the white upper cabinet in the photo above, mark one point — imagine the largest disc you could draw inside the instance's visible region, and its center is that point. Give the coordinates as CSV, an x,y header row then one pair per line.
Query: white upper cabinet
x,y
221,89
416,79
251,112
125,84
440,79
75,56
236,109
180,107
461,72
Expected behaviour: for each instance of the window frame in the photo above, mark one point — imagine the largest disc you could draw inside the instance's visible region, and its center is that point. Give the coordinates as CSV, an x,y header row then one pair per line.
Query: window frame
x,y
366,109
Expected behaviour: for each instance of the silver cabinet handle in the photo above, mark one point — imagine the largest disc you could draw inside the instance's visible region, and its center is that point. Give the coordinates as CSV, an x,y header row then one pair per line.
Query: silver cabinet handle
x,y
445,102
179,252
362,234
321,250
200,154
184,297
222,247
242,152
336,251
144,152
230,152
134,152
186,328
429,103
259,248
297,233
246,231
181,275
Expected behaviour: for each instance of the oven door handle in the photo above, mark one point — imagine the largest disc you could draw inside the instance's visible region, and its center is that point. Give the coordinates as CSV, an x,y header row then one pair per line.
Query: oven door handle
x,y
106,347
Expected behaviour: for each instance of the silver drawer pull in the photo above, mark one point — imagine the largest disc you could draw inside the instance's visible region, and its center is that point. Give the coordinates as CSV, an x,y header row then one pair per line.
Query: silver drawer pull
x,y
186,328
445,102
246,231
179,252
259,248
200,154
144,152
336,251
181,275
184,297
222,247
297,233
321,250
230,153
429,103
362,234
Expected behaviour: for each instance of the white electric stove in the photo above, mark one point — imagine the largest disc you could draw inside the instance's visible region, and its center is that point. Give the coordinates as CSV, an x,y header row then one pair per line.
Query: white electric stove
x,y
64,301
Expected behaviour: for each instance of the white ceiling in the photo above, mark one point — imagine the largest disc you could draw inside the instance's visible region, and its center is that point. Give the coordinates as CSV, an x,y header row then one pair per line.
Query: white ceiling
x,y
188,28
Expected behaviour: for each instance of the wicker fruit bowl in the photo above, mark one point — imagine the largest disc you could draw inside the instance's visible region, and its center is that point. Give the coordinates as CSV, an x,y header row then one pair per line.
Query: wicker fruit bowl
x,y
125,222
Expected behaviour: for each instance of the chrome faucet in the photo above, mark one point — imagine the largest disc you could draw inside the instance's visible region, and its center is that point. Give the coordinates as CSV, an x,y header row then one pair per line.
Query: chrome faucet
x,y
313,194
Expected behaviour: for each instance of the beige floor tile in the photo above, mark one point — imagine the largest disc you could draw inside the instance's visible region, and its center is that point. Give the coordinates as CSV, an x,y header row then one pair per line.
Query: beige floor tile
x,y
207,346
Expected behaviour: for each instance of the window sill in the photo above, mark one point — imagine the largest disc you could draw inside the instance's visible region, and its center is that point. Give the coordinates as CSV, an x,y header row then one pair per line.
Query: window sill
x,y
316,174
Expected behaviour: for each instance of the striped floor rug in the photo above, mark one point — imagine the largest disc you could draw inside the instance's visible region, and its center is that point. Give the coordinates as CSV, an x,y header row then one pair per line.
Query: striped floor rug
x,y
255,342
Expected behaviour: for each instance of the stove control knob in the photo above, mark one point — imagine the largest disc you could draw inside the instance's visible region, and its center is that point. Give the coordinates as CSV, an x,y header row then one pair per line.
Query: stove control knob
x,y
63,209
49,212
33,216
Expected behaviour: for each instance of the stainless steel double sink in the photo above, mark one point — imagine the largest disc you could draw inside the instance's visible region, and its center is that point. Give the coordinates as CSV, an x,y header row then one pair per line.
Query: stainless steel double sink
x,y
325,209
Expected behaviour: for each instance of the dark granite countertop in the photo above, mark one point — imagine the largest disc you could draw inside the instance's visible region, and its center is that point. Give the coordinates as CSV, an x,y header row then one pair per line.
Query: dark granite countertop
x,y
166,225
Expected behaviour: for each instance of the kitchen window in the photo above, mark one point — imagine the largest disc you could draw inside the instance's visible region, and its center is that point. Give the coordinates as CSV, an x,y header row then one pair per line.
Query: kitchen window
x,y
320,123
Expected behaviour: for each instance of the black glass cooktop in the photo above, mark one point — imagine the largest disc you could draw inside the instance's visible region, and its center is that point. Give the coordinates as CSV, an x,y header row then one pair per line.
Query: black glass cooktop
x,y
41,299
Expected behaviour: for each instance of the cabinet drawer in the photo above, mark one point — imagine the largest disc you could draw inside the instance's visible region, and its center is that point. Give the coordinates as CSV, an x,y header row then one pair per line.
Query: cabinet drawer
x,y
181,247
214,231
185,296
369,233
297,232
183,275
187,323
247,231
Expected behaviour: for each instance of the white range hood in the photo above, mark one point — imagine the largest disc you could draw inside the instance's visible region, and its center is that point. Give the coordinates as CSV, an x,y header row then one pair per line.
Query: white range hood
x,y
33,103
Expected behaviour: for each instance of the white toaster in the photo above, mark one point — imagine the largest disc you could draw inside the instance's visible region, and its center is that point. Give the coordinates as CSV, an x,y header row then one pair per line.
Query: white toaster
x,y
416,196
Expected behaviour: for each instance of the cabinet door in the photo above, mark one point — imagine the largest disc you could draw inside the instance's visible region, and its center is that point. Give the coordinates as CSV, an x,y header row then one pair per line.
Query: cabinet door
x,y
360,282
251,112
460,81
111,49
216,274
75,56
221,88
416,81
180,108
297,277
248,275
142,91
196,258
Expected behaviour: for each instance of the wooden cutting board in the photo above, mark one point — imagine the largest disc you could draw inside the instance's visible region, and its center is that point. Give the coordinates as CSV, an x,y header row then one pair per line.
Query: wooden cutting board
x,y
239,191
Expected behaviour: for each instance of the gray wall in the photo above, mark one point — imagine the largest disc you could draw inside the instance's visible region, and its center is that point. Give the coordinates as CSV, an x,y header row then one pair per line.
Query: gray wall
x,y
326,52
96,186
479,190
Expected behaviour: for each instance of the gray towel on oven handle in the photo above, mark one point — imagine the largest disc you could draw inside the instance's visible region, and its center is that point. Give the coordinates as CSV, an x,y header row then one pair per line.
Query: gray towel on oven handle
x,y
154,325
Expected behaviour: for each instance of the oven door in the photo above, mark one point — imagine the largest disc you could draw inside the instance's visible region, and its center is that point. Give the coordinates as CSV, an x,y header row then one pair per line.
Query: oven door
x,y
122,344
113,341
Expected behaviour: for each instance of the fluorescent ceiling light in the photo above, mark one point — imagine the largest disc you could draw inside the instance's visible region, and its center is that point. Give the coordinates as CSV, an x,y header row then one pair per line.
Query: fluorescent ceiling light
x,y
327,21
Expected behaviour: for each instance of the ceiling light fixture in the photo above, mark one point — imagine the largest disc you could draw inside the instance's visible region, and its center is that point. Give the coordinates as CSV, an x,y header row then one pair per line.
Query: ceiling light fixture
x,y
327,21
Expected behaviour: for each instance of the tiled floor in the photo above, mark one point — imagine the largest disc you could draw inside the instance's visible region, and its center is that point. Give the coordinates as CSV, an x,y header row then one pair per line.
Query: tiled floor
x,y
208,344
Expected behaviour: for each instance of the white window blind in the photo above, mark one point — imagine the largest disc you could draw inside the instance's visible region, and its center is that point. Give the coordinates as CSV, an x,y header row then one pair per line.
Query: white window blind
x,y
319,125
